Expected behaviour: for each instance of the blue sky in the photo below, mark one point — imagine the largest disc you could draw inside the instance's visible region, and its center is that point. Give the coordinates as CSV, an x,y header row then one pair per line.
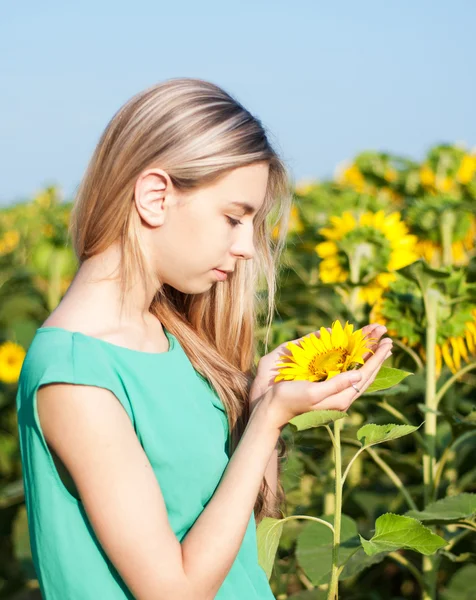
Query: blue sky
x,y
328,79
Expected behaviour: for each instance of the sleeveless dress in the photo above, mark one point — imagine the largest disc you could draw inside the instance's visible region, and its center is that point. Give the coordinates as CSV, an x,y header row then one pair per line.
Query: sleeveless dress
x,y
182,426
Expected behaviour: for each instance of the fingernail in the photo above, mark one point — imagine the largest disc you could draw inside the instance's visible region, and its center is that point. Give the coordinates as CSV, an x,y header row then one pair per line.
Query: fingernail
x,y
354,377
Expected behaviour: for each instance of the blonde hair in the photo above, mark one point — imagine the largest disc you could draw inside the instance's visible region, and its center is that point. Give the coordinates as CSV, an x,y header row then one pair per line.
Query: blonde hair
x,y
196,132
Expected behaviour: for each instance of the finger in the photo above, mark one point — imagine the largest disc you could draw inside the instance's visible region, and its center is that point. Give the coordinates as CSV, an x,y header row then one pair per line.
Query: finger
x,y
335,392
376,332
372,366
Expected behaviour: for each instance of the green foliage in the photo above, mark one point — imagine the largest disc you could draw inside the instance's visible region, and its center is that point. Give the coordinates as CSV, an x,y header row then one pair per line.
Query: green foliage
x,y
435,198
316,418
387,377
393,532
369,435
447,510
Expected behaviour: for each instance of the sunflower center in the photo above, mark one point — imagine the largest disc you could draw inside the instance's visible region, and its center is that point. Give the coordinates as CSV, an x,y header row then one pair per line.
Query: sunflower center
x,y
331,360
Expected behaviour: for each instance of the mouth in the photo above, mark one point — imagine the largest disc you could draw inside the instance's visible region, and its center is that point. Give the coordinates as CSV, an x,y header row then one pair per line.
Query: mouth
x,y
221,275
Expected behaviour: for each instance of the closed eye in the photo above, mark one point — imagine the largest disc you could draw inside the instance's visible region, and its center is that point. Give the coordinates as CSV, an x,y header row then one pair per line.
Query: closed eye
x,y
233,222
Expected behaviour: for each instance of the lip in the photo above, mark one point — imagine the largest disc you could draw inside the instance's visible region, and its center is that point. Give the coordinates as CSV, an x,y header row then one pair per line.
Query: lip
x,y
221,275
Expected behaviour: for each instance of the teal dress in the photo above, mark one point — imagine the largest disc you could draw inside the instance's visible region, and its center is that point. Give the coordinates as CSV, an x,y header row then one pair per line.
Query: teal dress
x,y
182,426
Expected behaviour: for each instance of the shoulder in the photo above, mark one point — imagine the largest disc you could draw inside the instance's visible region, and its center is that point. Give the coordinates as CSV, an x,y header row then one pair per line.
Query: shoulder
x,y
58,355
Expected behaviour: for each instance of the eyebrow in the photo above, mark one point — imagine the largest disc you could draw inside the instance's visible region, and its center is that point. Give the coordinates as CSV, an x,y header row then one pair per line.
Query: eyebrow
x,y
249,210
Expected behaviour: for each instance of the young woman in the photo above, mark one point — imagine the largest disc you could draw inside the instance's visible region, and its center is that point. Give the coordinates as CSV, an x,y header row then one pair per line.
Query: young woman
x,y
148,437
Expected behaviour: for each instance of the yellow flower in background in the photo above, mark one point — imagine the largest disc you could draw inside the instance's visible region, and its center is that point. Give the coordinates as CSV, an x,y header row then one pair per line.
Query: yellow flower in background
x,y
427,176
351,176
320,358
48,230
455,349
11,360
451,352
432,252
9,241
390,174
305,186
467,169
444,184
392,235
295,224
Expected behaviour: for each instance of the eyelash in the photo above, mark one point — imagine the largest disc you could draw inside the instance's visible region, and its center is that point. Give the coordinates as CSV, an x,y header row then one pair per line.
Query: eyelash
x,y
233,222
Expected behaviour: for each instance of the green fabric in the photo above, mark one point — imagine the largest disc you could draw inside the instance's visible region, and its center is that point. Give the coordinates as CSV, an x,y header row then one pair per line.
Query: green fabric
x,y
182,426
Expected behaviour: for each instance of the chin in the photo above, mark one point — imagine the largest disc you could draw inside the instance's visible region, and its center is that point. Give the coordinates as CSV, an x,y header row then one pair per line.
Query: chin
x,y
194,289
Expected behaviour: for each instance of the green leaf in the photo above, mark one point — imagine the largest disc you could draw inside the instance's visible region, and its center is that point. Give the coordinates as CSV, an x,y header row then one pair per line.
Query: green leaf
x,y
461,585
427,410
314,547
314,551
387,377
316,418
371,434
447,510
268,534
360,561
393,532
424,275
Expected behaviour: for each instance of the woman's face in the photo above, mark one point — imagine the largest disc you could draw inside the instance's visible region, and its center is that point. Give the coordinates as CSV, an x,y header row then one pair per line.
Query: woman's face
x,y
192,234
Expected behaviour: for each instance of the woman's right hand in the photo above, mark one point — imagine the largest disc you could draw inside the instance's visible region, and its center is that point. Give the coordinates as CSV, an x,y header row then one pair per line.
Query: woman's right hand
x,y
288,399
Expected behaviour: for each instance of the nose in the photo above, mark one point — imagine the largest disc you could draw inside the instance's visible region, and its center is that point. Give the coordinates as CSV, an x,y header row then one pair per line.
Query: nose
x,y
243,246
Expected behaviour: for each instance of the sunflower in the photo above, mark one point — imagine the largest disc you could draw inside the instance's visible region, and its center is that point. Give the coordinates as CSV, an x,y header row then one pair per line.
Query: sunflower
x,y
351,176
430,181
456,348
365,249
9,241
450,349
11,360
467,169
320,358
461,249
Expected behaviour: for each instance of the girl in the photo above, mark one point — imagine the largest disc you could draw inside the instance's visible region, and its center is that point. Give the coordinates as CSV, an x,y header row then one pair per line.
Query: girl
x,y
148,437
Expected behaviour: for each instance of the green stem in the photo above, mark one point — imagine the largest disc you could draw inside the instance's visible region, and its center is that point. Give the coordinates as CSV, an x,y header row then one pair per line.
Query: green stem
x,y
351,462
445,456
410,566
445,387
447,223
389,471
431,304
430,396
309,518
396,413
411,352
333,593
393,476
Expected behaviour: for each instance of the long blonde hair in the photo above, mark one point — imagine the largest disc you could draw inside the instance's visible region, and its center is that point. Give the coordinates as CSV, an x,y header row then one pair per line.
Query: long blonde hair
x,y
197,133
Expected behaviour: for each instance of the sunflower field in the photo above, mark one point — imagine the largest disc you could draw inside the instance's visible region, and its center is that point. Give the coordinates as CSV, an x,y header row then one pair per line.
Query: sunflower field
x,y
387,240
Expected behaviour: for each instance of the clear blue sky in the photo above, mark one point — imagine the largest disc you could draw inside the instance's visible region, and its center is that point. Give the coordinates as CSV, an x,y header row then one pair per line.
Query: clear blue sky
x,y
327,78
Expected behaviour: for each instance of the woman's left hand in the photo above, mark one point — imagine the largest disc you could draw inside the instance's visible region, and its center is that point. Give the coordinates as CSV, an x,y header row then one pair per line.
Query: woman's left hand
x,y
267,371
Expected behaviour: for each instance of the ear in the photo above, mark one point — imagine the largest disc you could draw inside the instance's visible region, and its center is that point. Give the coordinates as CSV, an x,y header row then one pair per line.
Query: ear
x,y
151,192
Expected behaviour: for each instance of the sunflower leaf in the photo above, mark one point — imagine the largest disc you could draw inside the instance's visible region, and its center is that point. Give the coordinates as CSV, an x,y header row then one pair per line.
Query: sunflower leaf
x,y
450,509
387,377
268,534
316,418
393,532
371,434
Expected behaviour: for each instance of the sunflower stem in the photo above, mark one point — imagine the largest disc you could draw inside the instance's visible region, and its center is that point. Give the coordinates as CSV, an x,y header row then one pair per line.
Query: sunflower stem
x,y
429,459
447,223
333,593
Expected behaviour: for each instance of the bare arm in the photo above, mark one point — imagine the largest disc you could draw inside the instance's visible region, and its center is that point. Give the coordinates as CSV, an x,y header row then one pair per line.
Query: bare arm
x,y
271,471
90,432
